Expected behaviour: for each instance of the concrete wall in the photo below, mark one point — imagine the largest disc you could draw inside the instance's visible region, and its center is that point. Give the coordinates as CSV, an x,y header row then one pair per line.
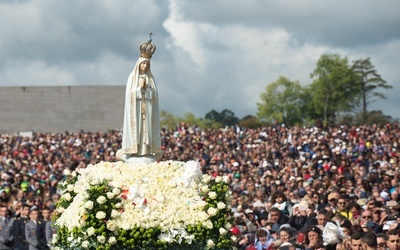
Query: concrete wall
x,y
71,108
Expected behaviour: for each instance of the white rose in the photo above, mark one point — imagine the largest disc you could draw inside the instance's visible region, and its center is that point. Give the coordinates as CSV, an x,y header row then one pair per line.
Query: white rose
x,y
95,181
234,238
205,189
212,211
112,240
73,174
101,239
228,196
100,215
90,231
222,231
118,205
67,172
114,213
210,244
111,225
228,225
89,205
85,244
218,179
221,205
208,224
101,199
70,188
116,191
110,195
67,196
212,195
226,179
206,178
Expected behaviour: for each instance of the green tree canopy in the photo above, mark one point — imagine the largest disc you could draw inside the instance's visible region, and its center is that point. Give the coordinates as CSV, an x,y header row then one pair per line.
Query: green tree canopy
x,y
333,88
225,118
281,102
369,81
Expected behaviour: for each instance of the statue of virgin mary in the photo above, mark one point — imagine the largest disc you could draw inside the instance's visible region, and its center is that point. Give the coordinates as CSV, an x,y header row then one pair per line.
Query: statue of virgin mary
x,y
141,129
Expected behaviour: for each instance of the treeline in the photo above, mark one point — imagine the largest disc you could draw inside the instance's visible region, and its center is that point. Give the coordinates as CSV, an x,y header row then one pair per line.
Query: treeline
x,y
339,92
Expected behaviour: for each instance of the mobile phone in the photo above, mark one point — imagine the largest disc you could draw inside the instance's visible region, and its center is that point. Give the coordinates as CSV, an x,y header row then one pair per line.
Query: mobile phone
x,y
370,224
300,238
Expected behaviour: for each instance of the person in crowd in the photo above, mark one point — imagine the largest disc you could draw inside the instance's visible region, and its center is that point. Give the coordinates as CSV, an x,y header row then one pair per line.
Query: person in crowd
x,y
393,241
5,228
381,239
313,165
369,241
31,230
18,229
312,238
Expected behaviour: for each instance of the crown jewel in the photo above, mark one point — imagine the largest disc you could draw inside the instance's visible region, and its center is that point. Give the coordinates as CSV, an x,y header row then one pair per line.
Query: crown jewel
x,y
147,49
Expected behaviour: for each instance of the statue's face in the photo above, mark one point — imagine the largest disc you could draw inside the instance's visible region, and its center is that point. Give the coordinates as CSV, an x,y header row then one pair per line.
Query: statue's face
x,y
144,66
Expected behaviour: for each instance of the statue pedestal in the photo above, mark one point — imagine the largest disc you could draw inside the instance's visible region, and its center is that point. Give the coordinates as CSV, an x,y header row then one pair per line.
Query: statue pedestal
x,y
140,159
148,159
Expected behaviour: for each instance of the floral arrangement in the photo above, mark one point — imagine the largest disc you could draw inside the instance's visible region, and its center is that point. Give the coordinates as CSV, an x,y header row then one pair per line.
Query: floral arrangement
x,y
163,205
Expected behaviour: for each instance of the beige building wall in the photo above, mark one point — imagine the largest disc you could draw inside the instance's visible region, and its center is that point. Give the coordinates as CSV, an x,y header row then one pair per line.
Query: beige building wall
x,y
66,108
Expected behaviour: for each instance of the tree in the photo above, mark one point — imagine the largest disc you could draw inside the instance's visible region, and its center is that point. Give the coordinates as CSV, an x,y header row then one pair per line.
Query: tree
x,y
281,102
369,81
334,90
168,120
250,121
225,118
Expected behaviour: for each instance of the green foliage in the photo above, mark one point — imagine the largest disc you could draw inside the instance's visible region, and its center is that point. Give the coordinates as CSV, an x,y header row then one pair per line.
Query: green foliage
x,y
369,81
225,118
250,122
168,120
281,102
333,88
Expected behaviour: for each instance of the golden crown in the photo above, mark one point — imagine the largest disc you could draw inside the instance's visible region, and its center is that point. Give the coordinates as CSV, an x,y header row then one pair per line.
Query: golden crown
x,y
147,49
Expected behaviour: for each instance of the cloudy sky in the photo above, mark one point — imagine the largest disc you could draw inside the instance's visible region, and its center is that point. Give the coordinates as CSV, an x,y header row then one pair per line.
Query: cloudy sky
x,y
211,54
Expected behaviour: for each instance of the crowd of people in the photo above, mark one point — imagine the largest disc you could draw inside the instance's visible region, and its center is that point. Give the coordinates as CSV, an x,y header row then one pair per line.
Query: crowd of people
x,y
293,187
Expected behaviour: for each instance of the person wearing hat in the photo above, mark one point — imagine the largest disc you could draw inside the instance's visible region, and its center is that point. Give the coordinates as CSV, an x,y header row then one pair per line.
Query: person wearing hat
x,y
248,218
313,237
262,220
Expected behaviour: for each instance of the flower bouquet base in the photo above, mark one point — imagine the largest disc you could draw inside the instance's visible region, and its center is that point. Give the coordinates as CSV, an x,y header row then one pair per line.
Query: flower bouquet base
x,y
160,205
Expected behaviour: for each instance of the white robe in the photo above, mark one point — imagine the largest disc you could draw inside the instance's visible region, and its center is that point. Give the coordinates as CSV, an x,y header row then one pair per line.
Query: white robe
x,y
141,131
